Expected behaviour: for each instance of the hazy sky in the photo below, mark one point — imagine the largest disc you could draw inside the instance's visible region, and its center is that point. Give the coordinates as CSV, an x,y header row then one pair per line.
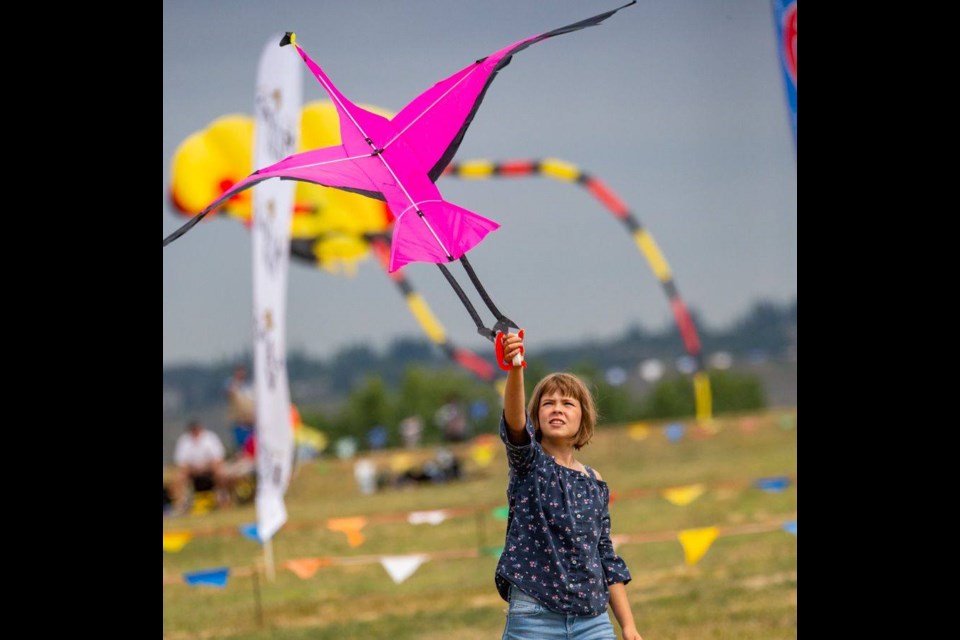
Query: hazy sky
x,y
678,105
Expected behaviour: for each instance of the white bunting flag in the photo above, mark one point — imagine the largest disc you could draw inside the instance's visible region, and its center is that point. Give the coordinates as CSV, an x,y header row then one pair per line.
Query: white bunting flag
x,y
402,567
427,517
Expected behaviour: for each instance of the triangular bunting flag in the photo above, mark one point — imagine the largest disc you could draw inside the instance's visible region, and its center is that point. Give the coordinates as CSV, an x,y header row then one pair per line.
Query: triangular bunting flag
x,y
250,531
682,496
402,567
209,577
304,568
790,527
675,431
695,542
638,431
773,485
749,424
349,526
787,421
496,552
709,427
482,454
501,513
427,517
175,540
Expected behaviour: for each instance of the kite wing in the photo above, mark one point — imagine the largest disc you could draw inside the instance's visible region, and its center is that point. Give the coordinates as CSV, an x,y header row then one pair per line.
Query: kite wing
x,y
329,167
435,122
359,128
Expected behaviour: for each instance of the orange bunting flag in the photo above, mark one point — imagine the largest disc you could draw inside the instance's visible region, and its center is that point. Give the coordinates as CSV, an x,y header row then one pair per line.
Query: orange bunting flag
x,y
682,496
175,540
709,427
695,542
349,526
304,568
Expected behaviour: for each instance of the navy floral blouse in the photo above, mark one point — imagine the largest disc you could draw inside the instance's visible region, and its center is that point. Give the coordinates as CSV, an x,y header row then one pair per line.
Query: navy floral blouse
x,y
558,547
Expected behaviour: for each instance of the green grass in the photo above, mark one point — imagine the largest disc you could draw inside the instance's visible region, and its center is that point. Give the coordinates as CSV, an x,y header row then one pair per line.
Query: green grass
x,y
745,587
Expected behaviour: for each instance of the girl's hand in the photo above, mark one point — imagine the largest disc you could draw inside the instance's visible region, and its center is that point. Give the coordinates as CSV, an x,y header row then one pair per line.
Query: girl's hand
x,y
631,633
512,345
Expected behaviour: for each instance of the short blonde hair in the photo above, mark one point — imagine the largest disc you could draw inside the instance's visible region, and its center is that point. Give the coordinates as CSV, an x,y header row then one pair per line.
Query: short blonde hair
x,y
569,385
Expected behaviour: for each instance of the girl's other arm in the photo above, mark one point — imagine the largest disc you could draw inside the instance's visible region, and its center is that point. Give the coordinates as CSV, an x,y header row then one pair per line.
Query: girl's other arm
x,y
621,610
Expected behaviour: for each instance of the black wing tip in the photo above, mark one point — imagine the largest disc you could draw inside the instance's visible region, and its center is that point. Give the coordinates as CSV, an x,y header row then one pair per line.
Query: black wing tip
x,y
290,36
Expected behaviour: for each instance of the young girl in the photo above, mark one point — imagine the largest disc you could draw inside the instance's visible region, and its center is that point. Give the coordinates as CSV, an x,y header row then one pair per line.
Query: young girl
x,y
558,569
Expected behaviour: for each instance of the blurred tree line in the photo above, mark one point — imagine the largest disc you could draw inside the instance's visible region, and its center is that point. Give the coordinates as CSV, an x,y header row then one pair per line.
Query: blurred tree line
x,y
767,328
422,392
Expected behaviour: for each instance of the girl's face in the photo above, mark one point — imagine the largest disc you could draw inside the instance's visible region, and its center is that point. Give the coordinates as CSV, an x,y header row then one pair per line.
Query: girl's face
x,y
559,416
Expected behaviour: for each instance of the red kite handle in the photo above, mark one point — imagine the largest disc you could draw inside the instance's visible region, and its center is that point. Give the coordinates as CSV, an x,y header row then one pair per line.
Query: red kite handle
x,y
518,360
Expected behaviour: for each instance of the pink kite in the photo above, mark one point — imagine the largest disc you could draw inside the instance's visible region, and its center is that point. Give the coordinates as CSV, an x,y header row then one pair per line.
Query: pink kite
x,y
399,160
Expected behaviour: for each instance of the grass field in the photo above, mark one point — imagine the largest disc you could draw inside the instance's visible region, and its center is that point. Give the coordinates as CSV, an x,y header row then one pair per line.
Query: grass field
x,y
744,588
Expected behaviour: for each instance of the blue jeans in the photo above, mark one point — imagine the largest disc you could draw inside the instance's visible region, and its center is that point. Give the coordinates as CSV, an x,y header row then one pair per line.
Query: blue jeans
x,y
527,619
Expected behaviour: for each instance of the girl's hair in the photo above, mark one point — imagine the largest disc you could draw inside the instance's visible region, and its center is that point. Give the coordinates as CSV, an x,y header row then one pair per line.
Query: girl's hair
x,y
568,385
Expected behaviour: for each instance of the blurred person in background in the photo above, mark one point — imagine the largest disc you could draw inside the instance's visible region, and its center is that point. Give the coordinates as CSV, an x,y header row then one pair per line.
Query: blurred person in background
x,y
199,457
241,412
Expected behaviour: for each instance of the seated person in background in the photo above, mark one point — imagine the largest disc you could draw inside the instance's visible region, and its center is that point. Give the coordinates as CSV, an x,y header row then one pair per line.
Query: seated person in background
x,y
199,458
240,405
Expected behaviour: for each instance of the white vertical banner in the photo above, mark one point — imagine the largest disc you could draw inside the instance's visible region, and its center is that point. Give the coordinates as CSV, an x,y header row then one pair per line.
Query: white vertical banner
x,y
277,124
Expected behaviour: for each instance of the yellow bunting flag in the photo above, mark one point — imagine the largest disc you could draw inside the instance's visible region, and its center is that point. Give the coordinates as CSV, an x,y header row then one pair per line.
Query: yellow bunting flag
x,y
696,542
682,496
349,526
482,454
304,568
639,431
310,437
175,540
